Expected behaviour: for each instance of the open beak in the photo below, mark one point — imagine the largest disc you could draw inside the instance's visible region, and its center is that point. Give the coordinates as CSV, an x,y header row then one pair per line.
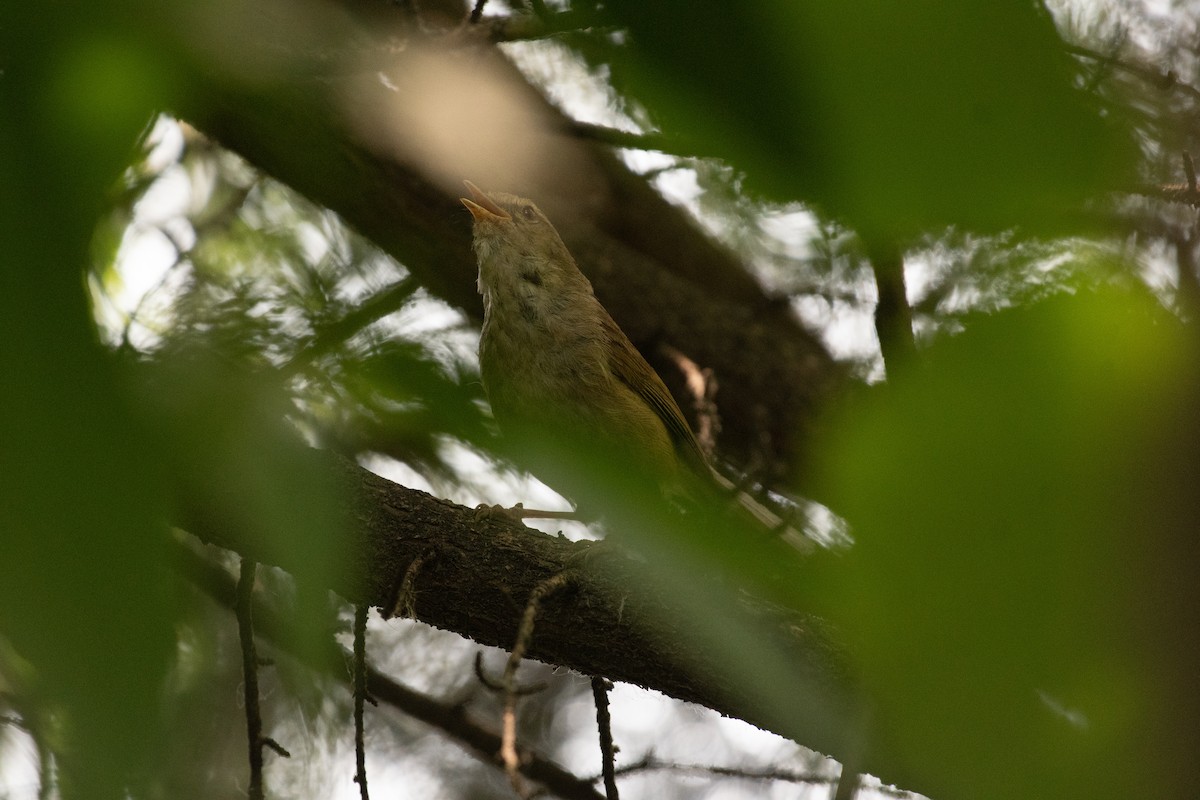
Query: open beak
x,y
482,208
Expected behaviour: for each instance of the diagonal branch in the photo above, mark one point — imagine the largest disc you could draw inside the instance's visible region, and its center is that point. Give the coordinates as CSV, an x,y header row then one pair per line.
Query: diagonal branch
x,y
1163,80
893,316
635,632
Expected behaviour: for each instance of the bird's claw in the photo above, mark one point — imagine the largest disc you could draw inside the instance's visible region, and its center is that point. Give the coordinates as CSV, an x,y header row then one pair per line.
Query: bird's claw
x,y
493,511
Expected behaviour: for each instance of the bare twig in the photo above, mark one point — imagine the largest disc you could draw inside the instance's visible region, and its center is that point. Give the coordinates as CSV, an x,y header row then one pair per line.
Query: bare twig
x,y
616,137
1166,80
496,686
1170,193
523,27
608,751
893,315
332,661
406,596
245,605
1187,192
360,694
370,310
181,257
650,762
477,12
508,737
847,785
275,746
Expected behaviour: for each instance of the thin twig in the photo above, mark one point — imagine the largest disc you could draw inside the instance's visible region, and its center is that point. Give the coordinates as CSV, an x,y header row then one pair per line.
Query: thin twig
x,y
1189,169
360,695
1164,81
477,12
374,308
333,662
893,315
244,608
182,254
405,606
847,785
615,137
608,751
650,763
275,746
1169,193
524,27
496,686
508,737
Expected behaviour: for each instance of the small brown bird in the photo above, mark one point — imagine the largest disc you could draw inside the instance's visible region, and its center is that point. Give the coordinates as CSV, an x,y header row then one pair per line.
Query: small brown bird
x,y
554,362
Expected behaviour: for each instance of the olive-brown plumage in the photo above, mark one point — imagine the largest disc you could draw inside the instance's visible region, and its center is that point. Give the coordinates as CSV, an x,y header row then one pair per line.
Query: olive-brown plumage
x,y
554,362
551,355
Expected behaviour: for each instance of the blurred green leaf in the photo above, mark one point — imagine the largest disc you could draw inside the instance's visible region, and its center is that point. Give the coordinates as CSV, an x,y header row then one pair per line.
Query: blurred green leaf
x,y
898,117
240,469
401,402
712,561
83,593
1024,511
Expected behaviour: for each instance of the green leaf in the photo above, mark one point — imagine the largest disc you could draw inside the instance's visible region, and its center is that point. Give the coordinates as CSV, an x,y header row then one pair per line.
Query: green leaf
x,y
898,117
1022,582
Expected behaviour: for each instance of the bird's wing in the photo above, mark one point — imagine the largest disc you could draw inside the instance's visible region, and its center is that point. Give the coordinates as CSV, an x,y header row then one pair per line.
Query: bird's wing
x,y
630,368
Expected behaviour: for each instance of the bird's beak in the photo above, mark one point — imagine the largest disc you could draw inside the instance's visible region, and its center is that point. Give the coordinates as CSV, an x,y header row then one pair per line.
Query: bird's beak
x,y
482,207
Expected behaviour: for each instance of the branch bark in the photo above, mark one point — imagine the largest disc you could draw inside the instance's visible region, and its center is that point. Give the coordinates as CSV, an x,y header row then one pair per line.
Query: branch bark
x,y
483,569
893,316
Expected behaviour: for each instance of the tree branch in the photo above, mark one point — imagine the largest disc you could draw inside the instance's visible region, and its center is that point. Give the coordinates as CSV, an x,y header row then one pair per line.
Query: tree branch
x,y
360,697
526,27
608,751
893,316
334,662
488,565
254,736
1162,80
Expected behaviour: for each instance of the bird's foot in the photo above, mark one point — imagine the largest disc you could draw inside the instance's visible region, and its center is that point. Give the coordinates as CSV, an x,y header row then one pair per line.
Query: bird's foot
x,y
519,513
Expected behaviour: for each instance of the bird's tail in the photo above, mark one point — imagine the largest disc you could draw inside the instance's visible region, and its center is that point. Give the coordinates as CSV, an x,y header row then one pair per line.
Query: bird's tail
x,y
779,526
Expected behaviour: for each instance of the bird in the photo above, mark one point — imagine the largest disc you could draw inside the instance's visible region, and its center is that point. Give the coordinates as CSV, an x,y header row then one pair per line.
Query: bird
x,y
555,365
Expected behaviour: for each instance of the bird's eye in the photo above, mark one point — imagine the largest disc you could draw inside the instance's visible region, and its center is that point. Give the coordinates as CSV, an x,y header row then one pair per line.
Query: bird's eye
x,y
528,213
